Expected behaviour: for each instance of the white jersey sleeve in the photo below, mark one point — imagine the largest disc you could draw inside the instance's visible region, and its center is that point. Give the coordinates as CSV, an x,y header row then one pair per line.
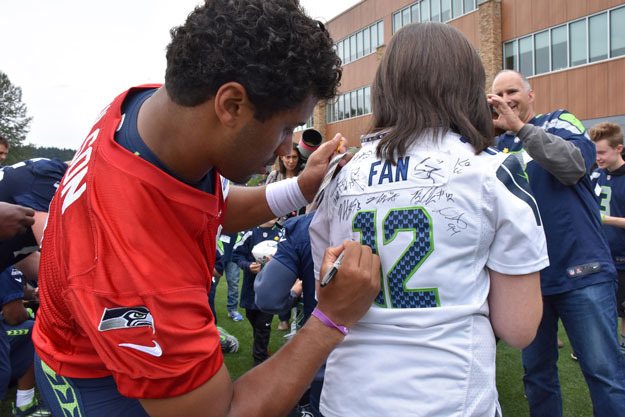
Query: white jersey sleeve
x,y
518,246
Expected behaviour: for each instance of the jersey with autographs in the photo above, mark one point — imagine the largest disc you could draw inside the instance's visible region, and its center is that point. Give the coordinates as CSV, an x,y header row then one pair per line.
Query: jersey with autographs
x,y
438,219
126,262
610,190
570,213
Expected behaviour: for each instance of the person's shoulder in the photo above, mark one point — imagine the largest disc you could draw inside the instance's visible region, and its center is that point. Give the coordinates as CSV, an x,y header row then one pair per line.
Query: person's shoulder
x,y
560,119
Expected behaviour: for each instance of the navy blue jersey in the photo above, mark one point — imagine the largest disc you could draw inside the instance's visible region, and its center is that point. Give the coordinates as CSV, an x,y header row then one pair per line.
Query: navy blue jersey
x,y
294,253
610,189
578,250
31,183
11,285
242,256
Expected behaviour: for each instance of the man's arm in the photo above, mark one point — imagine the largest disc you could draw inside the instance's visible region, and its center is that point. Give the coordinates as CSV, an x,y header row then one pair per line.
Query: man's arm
x,y
248,206
287,373
614,221
14,220
273,287
561,158
516,307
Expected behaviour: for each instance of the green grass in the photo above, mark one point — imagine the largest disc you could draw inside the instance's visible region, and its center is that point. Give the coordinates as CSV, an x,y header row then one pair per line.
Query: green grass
x,y
576,401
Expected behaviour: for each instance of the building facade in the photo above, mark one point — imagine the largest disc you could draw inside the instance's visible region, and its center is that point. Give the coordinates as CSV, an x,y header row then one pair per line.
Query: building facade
x,y
572,51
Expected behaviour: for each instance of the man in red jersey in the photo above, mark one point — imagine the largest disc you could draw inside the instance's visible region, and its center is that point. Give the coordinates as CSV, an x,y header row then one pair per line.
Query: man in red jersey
x,y
124,327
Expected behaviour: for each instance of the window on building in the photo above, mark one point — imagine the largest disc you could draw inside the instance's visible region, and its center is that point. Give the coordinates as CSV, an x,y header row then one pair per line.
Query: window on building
x,y
367,100
352,48
526,60
435,8
559,48
405,17
366,40
598,43
456,8
414,13
469,5
541,52
617,32
341,114
425,11
359,46
374,37
354,104
339,51
380,32
577,43
361,102
396,22
509,55
445,10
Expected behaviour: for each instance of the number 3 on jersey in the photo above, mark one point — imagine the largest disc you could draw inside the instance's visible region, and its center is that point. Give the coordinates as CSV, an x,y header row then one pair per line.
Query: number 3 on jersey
x,y
416,220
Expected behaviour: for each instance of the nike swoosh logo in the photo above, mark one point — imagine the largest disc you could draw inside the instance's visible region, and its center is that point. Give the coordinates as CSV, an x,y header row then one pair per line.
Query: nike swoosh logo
x,y
150,350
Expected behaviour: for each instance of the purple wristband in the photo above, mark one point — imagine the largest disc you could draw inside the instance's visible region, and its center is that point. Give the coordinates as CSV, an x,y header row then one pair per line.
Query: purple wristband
x,y
328,322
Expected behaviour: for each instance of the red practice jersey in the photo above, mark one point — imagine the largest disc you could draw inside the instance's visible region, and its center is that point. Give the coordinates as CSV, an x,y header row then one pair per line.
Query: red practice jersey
x,y
125,272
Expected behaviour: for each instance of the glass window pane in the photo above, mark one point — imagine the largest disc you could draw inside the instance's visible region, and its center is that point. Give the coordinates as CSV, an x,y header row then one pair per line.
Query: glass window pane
x,y
352,48
396,22
558,48
367,100
346,53
359,47
617,32
577,42
374,37
469,5
425,10
414,12
597,32
526,61
341,115
541,51
366,40
435,7
405,17
381,32
445,10
361,102
339,51
335,107
456,7
354,103
509,55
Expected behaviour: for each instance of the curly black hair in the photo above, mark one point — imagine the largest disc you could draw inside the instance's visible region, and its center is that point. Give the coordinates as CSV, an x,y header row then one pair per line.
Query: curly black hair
x,y
271,47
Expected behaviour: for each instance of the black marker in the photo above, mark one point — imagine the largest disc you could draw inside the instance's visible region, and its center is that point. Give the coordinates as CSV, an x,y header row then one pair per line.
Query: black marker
x,y
332,271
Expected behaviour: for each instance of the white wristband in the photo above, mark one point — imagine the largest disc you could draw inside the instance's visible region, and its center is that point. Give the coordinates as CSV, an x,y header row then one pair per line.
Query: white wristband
x,y
284,196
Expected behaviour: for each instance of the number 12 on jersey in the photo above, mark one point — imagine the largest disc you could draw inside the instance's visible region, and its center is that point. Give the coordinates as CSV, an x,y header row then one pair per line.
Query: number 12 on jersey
x,y
417,221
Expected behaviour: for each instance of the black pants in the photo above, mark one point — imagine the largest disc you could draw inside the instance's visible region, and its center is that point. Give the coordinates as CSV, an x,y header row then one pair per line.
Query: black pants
x,y
261,327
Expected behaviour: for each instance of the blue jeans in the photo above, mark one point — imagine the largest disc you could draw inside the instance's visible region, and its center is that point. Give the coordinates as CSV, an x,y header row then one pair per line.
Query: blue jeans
x,y
589,318
233,276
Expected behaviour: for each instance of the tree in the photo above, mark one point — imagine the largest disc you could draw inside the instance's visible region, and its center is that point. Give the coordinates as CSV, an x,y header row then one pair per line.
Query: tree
x,y
14,124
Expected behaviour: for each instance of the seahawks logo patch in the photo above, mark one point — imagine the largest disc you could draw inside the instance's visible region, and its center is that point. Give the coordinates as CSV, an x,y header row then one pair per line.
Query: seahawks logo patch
x,y
126,318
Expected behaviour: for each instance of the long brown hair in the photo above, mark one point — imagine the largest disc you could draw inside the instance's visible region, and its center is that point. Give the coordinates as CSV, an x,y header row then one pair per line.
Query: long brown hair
x,y
430,78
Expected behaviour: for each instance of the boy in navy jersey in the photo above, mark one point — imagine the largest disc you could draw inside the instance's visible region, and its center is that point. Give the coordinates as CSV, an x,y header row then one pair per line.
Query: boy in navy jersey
x,y
609,182
578,285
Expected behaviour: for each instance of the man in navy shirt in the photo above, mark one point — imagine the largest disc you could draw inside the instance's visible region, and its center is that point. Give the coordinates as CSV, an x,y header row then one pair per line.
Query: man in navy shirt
x,y
578,285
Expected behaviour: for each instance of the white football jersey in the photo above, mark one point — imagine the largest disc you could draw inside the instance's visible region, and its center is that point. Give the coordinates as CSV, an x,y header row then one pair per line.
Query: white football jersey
x,y
438,219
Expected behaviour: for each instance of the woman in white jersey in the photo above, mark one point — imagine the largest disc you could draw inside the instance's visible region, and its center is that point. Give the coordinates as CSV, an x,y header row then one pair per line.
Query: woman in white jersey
x,y
457,230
